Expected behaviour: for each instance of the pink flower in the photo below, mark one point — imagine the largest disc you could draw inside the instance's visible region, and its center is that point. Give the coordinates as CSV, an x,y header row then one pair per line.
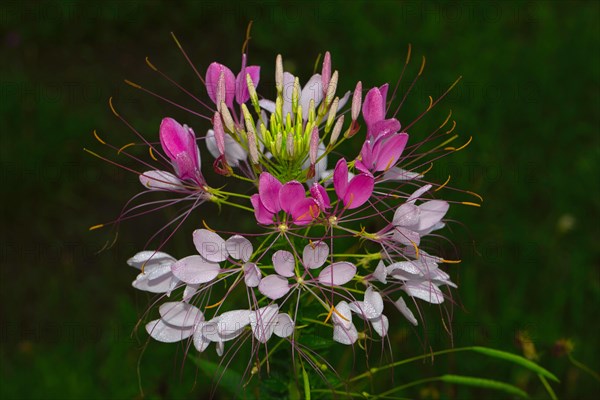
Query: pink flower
x,y
374,113
382,152
354,192
179,143
235,87
273,197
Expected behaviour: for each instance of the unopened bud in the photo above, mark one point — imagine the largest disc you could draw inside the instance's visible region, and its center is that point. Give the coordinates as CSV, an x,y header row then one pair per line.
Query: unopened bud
x,y
279,74
248,118
289,144
314,145
295,94
332,114
252,93
337,129
252,146
326,72
219,133
221,94
331,88
356,101
226,115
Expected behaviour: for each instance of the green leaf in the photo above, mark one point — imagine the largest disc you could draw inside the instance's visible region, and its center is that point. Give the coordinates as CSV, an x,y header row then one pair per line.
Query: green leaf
x,y
483,383
306,384
515,359
226,379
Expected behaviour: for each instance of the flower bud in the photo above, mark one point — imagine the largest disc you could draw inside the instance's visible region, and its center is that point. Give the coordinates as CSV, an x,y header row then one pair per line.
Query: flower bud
x,y
279,74
326,72
337,129
331,88
226,115
219,132
252,146
356,101
332,114
314,145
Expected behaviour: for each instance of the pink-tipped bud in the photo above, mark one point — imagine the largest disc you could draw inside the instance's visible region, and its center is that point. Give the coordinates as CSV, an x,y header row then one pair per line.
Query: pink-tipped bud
x,y
213,75
219,133
179,143
221,93
356,101
326,72
314,145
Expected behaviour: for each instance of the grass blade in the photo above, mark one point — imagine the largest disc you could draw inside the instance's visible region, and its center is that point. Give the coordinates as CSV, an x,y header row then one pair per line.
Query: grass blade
x,y
502,355
483,383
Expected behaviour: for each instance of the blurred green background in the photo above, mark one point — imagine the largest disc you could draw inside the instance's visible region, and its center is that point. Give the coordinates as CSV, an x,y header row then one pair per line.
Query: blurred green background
x,y
529,97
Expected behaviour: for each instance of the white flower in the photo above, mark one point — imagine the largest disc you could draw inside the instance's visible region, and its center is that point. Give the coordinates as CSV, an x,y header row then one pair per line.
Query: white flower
x,y
156,275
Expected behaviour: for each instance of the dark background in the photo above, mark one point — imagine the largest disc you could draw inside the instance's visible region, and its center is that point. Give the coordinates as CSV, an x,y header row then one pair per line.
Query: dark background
x,y
529,97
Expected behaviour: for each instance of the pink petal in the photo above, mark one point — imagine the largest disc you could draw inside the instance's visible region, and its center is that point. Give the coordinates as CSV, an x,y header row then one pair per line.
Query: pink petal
x,y
241,85
268,189
239,248
315,255
340,178
180,314
374,107
251,275
212,79
179,143
274,286
195,269
284,263
424,290
337,274
290,194
210,245
388,154
305,211
262,215
319,193
383,128
165,333
359,190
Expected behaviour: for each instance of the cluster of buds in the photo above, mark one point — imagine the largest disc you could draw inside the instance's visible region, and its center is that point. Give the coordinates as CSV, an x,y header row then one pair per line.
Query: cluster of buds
x,y
313,259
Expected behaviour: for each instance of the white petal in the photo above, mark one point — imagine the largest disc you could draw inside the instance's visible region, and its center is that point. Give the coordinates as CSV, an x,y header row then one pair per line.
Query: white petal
x,y
210,330
284,263
284,326
413,197
160,180
345,335
267,105
401,305
313,90
337,273
274,286
163,284
315,254
342,315
373,301
210,245
288,89
407,267
381,325
150,258
406,236
424,290
399,174
189,292
380,272
263,322
211,143
200,342
231,323
343,100
195,269
239,248
432,213
251,275
180,314
165,333
406,215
